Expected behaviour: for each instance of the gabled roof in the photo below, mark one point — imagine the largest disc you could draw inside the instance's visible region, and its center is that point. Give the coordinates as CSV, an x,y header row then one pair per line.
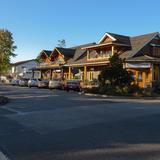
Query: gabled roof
x,y
79,53
83,45
73,53
66,52
138,43
121,38
143,58
22,62
116,38
46,52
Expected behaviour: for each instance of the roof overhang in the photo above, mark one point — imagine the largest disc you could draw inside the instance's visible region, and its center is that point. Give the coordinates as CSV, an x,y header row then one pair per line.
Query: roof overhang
x,y
56,49
155,45
106,35
43,51
106,44
87,63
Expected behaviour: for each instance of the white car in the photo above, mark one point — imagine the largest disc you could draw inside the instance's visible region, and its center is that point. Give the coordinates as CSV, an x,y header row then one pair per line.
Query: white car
x,y
33,82
43,84
55,84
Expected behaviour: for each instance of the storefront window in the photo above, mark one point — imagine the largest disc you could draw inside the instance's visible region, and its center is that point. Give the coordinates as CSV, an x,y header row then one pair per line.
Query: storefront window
x,y
140,76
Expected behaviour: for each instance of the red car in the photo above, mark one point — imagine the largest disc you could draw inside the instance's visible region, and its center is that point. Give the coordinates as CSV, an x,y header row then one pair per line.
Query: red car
x,y
72,85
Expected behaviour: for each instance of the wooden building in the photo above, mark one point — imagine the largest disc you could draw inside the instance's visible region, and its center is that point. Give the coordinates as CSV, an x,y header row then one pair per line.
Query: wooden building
x,y
85,62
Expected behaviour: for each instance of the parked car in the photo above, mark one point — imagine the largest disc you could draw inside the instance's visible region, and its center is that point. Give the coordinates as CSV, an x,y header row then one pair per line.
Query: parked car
x,y
15,82
23,82
72,85
43,84
33,82
56,84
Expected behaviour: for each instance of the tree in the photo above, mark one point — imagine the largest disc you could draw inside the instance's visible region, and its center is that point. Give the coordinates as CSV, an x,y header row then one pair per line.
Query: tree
x,y
7,49
62,43
115,74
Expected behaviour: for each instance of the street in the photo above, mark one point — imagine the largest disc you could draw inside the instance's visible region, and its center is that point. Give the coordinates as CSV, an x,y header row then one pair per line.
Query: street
x,y
39,124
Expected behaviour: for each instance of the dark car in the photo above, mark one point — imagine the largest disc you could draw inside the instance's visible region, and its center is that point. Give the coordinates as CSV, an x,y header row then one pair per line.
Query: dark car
x,y
72,85
33,82
15,82
23,82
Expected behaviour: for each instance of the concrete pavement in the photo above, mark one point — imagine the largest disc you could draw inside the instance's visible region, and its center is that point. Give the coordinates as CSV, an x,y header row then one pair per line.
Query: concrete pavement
x,y
42,124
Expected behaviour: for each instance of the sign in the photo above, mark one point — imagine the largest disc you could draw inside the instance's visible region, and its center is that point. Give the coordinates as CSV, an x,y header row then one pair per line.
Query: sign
x,y
138,65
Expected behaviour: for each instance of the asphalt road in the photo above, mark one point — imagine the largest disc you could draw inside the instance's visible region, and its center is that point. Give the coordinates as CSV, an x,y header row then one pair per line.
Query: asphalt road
x,y
39,124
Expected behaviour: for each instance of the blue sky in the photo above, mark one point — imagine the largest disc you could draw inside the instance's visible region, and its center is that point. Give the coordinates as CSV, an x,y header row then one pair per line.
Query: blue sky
x,y
39,24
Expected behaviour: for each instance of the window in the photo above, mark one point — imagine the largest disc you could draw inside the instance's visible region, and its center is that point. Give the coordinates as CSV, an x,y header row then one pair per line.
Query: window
x,y
108,53
147,76
140,76
88,54
91,76
156,51
133,76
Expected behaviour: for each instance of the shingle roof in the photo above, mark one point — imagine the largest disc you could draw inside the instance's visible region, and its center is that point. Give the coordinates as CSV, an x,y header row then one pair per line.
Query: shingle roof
x,y
47,52
144,58
22,62
137,43
67,52
83,45
121,38
73,53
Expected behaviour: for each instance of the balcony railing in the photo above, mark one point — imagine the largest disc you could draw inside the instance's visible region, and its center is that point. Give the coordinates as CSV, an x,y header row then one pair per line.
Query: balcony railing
x,y
44,64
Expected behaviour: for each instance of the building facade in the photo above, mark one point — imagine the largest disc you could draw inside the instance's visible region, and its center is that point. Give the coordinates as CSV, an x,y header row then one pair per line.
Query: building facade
x,y
23,69
85,62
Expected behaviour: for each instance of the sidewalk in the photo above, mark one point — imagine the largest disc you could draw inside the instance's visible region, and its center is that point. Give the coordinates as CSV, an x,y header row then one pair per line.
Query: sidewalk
x,y
125,98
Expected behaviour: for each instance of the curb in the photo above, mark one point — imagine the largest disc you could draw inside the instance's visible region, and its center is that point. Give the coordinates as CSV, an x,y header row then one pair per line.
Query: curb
x,y
121,97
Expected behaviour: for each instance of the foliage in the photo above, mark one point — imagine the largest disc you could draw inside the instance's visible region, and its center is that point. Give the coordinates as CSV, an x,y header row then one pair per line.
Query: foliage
x,y
156,87
7,48
62,43
115,74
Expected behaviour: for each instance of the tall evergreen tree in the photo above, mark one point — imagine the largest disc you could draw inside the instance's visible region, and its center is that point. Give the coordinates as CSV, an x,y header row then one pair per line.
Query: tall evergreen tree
x,y
7,49
115,74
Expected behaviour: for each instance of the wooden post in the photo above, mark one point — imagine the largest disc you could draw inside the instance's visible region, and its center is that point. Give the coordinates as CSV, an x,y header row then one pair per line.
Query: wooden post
x,y
41,74
85,73
32,73
69,74
152,74
50,73
112,50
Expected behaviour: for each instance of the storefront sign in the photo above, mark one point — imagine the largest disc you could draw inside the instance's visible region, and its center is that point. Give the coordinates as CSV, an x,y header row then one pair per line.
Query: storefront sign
x,y
138,65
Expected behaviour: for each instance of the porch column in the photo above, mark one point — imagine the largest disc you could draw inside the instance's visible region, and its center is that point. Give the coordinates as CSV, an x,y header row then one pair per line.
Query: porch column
x,y
152,74
85,73
32,73
69,73
50,73
41,74
112,50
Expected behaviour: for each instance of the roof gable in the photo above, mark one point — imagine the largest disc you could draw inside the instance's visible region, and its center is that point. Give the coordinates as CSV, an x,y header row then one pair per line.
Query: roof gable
x,y
137,44
46,52
107,38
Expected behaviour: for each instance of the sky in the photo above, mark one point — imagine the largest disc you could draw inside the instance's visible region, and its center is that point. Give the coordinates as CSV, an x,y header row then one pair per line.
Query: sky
x,y
39,24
